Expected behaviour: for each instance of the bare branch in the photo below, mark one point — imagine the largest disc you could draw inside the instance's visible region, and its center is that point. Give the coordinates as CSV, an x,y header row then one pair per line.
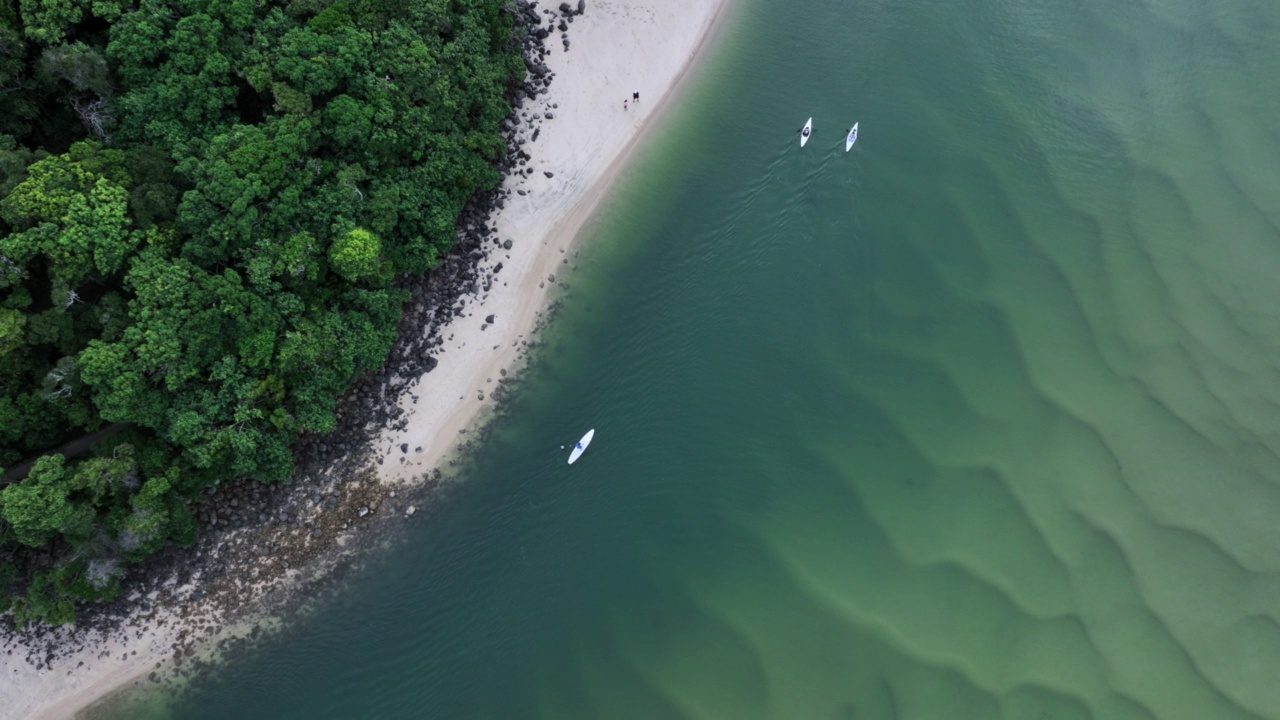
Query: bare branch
x,y
96,115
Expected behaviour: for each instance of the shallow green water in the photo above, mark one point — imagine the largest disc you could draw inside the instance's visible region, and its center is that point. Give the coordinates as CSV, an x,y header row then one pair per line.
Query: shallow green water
x,y
979,421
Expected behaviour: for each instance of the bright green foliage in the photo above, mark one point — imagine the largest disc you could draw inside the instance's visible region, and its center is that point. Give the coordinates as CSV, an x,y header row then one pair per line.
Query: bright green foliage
x,y
49,21
71,215
217,273
357,255
40,507
47,193
12,323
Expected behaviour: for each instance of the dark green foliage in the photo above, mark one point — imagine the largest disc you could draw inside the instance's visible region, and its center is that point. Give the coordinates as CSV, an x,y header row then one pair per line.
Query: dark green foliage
x,y
201,243
8,583
19,108
52,594
79,65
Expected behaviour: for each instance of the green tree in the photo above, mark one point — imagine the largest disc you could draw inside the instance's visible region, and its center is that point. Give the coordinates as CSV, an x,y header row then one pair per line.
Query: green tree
x,y
80,66
19,107
72,214
218,276
357,256
40,508
12,323
44,601
156,516
52,594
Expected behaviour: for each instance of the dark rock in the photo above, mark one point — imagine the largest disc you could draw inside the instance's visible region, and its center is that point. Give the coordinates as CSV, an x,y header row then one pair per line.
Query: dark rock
x,y
489,319
582,6
565,8
404,447
506,245
548,173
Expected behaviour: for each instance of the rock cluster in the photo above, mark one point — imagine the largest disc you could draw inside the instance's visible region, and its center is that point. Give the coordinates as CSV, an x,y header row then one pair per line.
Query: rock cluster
x,y
254,536
461,280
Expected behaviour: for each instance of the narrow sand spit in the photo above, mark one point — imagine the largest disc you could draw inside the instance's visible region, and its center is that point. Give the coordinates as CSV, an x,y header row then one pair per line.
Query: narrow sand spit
x,y
617,47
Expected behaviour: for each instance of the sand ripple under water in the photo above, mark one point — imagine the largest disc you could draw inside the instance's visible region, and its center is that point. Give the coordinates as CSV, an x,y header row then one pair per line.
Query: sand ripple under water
x,y
980,421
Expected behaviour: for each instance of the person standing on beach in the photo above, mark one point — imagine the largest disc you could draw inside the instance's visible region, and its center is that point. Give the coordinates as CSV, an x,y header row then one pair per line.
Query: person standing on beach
x,y
624,104
635,96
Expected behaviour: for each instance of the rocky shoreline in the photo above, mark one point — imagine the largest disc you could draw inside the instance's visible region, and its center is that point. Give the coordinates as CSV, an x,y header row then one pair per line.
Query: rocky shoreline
x,y
261,547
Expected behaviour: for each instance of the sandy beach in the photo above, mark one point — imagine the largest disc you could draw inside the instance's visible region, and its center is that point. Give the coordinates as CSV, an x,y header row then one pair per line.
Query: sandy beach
x,y
617,48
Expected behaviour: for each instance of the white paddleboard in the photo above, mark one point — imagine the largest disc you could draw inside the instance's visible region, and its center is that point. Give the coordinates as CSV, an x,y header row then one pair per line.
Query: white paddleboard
x,y
806,132
581,446
853,138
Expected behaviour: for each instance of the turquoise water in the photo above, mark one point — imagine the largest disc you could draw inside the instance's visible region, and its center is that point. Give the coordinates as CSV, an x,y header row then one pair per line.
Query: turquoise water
x,y
981,420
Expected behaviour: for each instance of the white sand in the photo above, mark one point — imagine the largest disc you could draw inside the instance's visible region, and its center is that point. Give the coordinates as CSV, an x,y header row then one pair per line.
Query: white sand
x,y
617,47
75,679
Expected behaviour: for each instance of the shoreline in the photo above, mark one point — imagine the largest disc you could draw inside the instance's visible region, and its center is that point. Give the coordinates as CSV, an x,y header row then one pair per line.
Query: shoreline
x,y
202,597
592,148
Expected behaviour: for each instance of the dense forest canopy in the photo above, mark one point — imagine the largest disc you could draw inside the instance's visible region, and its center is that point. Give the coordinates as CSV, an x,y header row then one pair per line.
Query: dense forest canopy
x,y
203,207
